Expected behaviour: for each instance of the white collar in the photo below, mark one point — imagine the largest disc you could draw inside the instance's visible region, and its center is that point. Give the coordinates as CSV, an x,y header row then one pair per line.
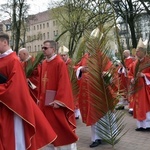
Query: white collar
x,y
128,57
6,53
49,59
67,60
28,58
141,59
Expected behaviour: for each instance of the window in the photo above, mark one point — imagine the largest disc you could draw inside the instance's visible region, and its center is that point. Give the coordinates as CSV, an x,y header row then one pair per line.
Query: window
x,y
43,26
30,48
40,26
53,23
37,27
56,32
40,36
56,22
39,48
47,35
8,27
47,24
1,27
27,38
43,36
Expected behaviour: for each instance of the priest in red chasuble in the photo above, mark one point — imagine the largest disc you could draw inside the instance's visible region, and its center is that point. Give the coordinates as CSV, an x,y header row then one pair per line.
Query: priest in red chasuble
x,y
139,74
33,79
22,124
64,53
92,71
56,99
124,80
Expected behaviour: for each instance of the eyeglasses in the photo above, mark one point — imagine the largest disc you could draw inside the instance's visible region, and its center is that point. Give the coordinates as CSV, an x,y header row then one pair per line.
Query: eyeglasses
x,y
45,48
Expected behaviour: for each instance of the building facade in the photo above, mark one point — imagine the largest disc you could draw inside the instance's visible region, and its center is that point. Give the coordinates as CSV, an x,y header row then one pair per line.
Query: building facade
x,y
40,27
142,30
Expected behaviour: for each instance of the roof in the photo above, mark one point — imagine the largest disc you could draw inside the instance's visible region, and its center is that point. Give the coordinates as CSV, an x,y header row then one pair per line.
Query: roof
x,y
40,17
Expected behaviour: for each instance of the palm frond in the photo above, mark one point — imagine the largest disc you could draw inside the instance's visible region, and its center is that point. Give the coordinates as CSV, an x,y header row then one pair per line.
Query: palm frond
x,y
111,127
79,51
74,81
33,64
103,91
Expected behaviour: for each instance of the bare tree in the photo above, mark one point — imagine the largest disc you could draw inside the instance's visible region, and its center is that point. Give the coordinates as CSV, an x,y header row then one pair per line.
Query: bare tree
x,y
129,11
146,5
80,16
17,10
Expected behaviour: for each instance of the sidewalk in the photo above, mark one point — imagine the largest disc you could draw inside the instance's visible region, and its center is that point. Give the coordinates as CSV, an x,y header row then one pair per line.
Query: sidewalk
x,y
132,140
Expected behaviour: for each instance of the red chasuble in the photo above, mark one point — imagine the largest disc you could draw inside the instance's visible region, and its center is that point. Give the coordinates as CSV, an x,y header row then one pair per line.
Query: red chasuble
x,y
89,113
55,77
34,78
141,91
74,81
124,81
15,98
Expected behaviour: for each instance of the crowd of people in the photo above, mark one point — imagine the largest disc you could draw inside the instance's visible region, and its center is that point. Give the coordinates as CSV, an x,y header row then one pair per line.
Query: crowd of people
x,y
40,111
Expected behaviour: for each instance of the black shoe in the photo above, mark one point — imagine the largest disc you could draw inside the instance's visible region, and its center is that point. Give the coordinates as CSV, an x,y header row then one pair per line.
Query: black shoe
x,y
77,117
147,129
140,129
96,143
130,112
120,108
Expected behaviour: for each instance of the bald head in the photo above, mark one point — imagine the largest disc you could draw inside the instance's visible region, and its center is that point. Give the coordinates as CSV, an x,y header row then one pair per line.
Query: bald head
x,y
23,54
126,53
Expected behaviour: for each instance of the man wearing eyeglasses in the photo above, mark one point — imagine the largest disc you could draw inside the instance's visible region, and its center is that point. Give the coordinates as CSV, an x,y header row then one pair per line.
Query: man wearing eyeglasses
x,y
56,99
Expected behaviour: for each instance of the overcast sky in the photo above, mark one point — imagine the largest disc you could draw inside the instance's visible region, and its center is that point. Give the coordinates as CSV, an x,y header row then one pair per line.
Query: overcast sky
x,y
36,6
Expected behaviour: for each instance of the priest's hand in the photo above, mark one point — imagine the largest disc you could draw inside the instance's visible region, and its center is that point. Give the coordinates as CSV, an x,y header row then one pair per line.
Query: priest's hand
x,y
140,74
133,81
84,69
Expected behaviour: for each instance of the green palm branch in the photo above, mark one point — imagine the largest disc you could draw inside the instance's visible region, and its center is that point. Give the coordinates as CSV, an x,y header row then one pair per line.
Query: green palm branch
x,y
31,65
74,81
79,52
104,90
111,126
75,59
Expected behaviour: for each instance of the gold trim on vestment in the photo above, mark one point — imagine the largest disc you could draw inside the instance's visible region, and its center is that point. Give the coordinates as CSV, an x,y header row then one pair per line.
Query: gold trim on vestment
x,y
22,119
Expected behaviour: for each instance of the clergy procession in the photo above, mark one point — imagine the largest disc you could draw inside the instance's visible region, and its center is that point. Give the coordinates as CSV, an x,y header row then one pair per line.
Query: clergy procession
x,y
43,98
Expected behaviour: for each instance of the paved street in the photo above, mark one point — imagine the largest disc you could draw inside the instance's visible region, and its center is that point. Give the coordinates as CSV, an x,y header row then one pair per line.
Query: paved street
x,y
132,140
